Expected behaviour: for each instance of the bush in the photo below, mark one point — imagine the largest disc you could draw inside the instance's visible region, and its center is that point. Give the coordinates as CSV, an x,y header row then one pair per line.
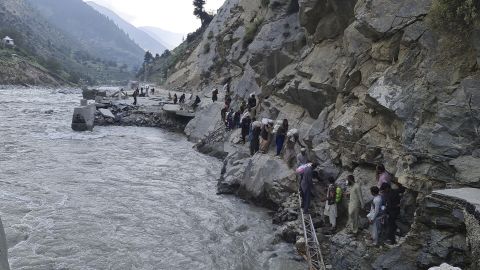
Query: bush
x,y
251,31
456,16
210,35
206,48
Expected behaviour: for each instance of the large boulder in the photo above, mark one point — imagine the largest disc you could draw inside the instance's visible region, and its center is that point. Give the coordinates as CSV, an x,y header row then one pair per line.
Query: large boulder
x,y
205,122
262,179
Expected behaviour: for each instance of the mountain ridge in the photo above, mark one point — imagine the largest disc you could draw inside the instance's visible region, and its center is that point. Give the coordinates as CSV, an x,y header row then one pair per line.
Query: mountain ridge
x,y
144,40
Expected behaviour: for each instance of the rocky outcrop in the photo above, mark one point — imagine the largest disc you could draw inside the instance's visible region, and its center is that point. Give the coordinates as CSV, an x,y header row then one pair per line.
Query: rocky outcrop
x,y
364,82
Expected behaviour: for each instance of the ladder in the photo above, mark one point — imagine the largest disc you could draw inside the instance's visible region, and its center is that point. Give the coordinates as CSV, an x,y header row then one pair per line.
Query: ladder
x,y
312,246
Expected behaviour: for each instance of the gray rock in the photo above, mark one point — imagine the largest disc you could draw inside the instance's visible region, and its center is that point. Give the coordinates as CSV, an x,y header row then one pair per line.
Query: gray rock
x,y
378,18
468,170
106,113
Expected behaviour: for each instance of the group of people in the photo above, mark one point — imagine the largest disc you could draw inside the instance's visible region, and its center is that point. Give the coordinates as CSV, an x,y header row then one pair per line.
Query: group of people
x,y
141,93
384,208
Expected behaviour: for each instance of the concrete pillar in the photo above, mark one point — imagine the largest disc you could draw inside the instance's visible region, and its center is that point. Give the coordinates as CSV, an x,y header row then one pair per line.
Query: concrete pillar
x,y
83,118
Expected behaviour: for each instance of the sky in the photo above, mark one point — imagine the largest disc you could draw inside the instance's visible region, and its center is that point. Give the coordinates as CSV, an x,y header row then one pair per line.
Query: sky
x,y
172,15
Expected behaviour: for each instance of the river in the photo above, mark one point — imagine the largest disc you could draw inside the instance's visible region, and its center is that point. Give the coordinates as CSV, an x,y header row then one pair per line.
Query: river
x,y
118,197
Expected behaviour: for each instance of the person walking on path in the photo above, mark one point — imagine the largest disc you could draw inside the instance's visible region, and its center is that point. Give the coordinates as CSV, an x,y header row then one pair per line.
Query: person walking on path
x,y
175,98
376,215
290,153
255,141
392,198
215,95
251,102
383,176
265,138
182,99
135,95
223,114
334,196
280,137
355,204
196,102
302,157
306,186
245,124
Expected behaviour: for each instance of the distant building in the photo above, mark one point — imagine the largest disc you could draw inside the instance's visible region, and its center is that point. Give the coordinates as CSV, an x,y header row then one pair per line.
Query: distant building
x,y
8,42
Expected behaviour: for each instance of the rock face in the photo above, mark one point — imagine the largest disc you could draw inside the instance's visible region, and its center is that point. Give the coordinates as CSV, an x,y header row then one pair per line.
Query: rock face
x,y
364,82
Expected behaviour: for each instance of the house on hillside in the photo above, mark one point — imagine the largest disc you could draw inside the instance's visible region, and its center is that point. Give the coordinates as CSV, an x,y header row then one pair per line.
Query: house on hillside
x,y
8,42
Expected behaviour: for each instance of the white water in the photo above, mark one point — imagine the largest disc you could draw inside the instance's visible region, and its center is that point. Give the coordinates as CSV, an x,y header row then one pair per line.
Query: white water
x,y
118,197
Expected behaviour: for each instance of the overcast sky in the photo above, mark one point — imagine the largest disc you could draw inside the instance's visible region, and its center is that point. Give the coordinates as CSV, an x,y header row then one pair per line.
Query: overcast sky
x,y
172,15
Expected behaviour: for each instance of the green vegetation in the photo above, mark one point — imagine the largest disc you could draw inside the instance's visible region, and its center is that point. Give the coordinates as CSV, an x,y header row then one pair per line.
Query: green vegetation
x,y
199,11
62,52
206,48
251,31
455,16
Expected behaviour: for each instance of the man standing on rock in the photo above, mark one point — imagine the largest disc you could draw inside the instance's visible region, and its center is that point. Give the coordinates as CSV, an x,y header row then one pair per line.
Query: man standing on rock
x,y
334,196
255,141
383,176
306,186
215,95
392,198
302,157
245,124
280,137
354,205
376,215
135,95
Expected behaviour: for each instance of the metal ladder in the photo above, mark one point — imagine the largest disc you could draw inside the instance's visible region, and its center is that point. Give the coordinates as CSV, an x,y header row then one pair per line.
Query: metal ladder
x,y
312,246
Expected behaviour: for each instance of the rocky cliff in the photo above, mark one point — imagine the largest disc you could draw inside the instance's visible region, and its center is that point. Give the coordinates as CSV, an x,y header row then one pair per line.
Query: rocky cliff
x,y
365,82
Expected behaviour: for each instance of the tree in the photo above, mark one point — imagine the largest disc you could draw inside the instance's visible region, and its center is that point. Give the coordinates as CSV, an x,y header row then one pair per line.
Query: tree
x,y
148,57
157,56
199,11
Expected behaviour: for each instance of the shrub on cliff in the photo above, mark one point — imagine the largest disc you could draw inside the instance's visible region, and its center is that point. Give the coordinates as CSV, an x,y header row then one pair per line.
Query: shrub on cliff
x,y
251,31
456,16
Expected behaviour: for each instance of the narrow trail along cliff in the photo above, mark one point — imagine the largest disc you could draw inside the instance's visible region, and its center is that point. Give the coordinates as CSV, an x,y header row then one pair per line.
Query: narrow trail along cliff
x,y
364,82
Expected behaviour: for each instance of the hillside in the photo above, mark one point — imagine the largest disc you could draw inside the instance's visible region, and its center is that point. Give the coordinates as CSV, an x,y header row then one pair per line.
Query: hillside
x,y
364,82
52,48
167,38
144,40
95,32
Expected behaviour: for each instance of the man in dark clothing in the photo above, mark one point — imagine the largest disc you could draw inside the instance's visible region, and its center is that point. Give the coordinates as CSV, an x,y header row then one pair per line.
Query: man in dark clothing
x,y
135,95
182,98
223,114
175,98
245,124
306,186
281,134
228,101
215,95
196,102
252,102
392,198
236,119
255,142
